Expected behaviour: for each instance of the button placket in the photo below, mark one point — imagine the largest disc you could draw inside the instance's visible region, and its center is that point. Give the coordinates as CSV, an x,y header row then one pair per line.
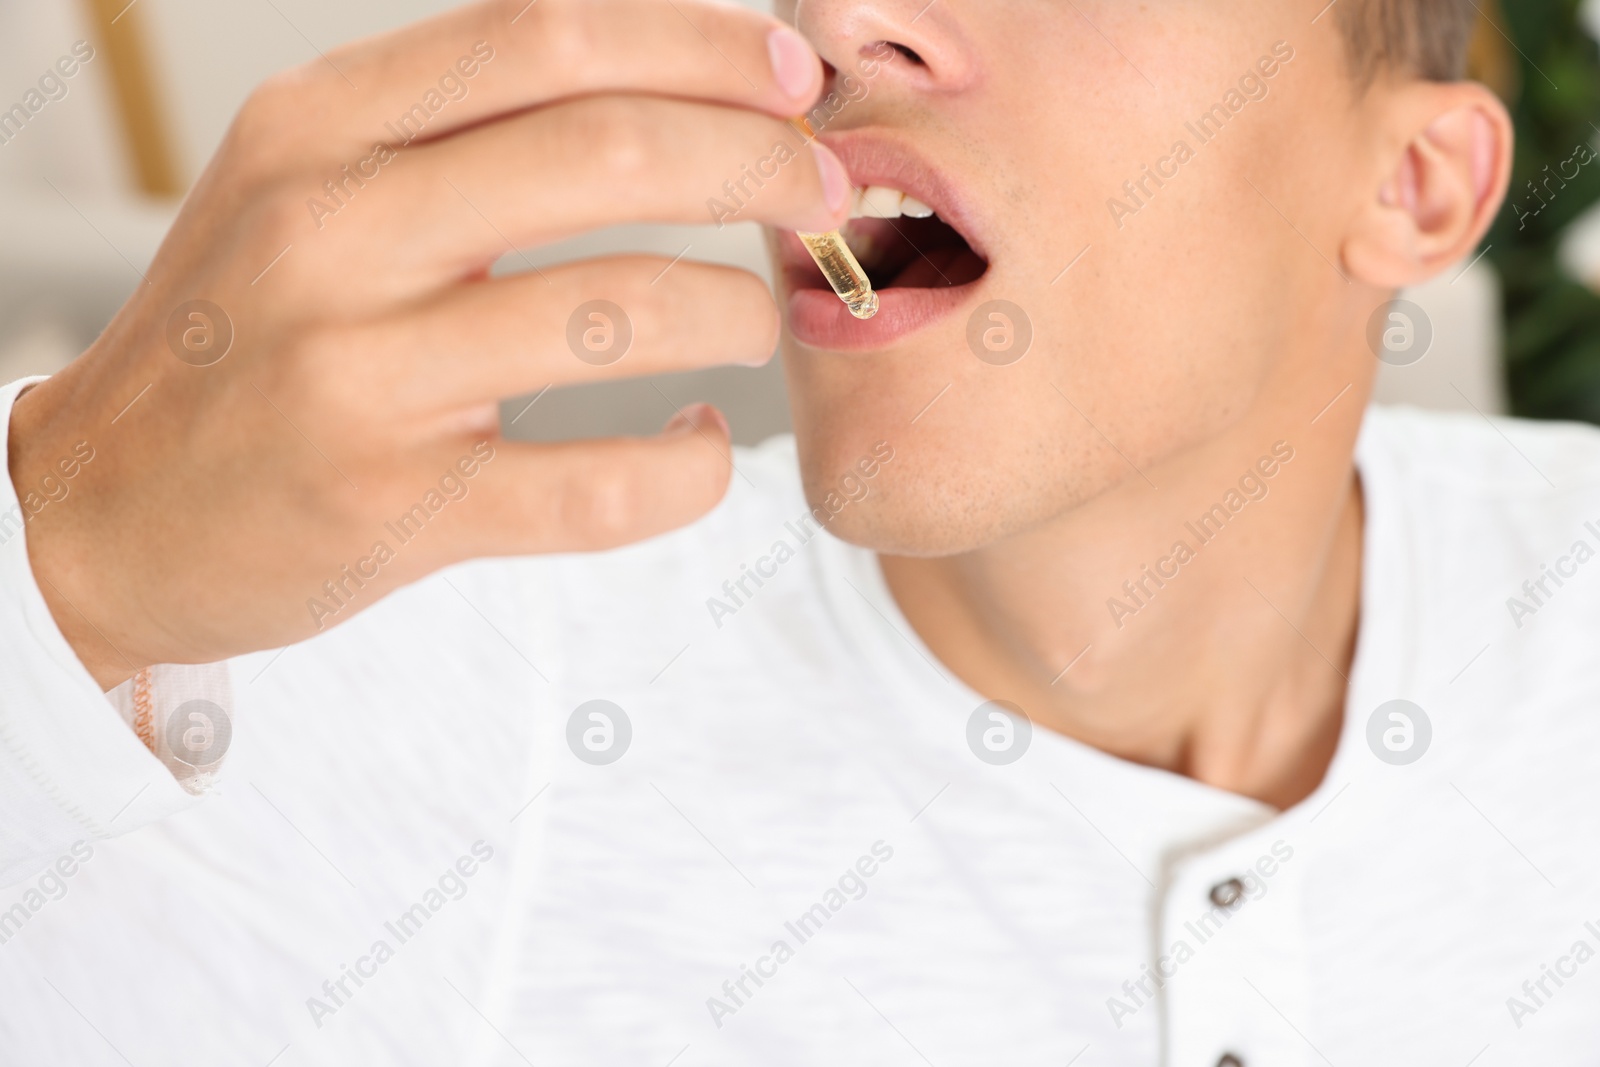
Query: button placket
x,y
1213,1016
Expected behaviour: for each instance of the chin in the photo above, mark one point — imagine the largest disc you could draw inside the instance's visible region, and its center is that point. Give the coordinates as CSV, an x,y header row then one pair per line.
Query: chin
x,y
910,535
925,501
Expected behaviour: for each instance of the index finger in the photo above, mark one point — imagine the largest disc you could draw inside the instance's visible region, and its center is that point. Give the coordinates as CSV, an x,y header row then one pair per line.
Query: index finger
x,y
503,56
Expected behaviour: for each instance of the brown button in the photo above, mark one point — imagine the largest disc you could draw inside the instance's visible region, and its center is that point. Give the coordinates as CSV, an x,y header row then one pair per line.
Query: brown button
x,y
1230,1060
1227,894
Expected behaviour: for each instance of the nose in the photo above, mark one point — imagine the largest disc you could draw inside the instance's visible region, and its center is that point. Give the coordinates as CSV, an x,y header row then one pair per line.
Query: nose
x,y
923,41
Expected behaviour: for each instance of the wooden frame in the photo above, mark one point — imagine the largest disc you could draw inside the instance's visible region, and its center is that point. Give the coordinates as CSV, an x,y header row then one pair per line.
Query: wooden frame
x,y
119,31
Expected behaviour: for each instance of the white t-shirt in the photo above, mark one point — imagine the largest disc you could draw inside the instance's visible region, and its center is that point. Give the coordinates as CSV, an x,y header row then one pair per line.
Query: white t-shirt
x,y
417,854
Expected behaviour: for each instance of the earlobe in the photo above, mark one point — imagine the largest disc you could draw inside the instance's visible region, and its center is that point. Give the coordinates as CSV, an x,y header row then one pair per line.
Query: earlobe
x,y
1440,189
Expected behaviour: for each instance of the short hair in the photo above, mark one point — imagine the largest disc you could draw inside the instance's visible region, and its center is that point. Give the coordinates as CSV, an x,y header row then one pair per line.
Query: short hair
x,y
1425,38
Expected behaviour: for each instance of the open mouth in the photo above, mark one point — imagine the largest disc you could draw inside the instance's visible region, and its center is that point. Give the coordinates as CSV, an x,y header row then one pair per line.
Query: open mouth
x,y
903,244
917,236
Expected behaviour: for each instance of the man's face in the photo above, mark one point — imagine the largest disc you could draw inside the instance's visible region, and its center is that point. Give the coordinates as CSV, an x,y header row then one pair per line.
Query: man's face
x,y
1155,325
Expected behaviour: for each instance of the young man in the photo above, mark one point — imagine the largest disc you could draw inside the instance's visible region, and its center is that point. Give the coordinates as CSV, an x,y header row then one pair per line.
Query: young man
x,y
1092,678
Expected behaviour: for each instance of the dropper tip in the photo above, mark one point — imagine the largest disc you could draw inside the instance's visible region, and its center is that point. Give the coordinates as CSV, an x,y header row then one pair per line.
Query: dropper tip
x,y
866,307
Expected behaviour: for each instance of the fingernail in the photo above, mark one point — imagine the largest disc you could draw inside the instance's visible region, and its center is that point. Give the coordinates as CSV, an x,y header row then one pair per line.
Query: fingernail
x,y
700,417
835,179
794,64
708,418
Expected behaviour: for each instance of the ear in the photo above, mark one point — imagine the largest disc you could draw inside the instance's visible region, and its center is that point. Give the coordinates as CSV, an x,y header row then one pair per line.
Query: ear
x,y
1442,178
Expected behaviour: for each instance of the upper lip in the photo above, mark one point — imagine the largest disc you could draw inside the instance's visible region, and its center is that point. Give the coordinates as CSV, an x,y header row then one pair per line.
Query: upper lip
x,y
878,158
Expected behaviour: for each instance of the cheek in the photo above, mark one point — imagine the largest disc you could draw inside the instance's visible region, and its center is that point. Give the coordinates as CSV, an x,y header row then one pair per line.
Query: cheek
x,y
1141,324
1173,336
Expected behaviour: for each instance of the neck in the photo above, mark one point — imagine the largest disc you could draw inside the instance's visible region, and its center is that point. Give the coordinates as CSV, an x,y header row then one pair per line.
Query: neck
x,y
1200,617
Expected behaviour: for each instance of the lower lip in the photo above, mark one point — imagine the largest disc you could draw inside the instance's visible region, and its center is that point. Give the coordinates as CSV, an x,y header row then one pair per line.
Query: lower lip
x,y
818,318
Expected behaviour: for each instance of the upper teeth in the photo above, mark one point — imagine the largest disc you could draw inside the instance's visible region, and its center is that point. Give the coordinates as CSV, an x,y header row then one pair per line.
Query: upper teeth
x,y
881,202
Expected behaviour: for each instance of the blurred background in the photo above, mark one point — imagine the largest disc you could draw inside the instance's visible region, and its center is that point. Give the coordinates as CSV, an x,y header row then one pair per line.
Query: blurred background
x,y
89,184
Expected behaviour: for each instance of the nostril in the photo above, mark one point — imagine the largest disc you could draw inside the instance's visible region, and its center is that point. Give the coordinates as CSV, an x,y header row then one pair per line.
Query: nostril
x,y
906,53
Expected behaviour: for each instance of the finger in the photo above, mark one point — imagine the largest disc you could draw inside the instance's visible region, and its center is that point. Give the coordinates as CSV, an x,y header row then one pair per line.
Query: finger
x,y
595,320
590,495
581,165
461,68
